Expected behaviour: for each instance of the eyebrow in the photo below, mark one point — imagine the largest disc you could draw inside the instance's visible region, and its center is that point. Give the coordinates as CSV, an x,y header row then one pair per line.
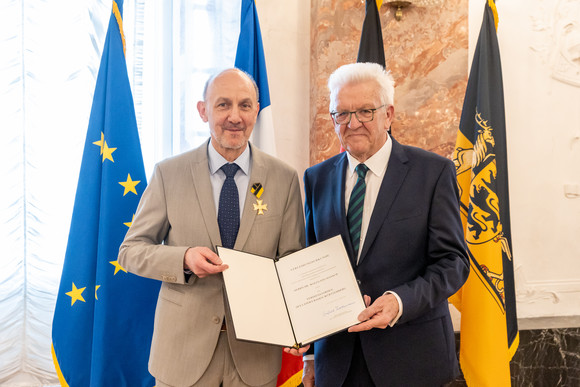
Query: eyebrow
x,y
363,107
225,99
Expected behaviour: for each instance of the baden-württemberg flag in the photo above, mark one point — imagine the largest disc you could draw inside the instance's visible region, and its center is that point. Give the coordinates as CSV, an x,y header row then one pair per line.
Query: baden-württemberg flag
x,y
103,321
489,332
371,47
250,58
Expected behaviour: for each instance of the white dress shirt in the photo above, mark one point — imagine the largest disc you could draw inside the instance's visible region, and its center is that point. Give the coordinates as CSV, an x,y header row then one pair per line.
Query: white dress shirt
x,y
377,165
217,176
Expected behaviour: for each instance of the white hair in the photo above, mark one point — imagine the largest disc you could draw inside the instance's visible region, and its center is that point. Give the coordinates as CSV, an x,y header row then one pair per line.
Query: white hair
x,y
361,72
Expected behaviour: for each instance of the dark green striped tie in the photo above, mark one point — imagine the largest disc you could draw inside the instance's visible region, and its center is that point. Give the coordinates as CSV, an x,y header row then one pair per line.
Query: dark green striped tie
x,y
355,208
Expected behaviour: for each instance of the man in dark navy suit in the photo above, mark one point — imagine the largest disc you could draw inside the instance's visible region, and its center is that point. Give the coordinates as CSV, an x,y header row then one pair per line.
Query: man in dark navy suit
x,y
397,210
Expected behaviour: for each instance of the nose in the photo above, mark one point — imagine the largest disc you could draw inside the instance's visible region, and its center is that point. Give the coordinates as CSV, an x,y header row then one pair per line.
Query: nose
x,y
354,122
234,115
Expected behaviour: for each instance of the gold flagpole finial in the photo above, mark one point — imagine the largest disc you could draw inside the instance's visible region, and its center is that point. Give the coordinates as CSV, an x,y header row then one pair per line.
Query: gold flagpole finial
x,y
119,18
494,10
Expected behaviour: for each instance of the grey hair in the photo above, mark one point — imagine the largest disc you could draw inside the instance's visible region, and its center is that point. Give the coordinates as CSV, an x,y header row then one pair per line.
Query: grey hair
x,y
361,72
214,76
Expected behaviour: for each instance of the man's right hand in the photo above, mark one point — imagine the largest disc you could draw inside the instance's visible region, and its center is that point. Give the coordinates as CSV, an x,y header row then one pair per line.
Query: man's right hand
x,y
203,262
308,373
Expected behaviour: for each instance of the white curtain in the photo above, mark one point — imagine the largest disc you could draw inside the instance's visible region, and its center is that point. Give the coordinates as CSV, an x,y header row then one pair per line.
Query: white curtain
x,y
49,58
49,55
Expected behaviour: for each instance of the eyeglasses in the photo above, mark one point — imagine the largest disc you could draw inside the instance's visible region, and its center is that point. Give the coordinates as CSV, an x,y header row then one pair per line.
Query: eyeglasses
x,y
362,115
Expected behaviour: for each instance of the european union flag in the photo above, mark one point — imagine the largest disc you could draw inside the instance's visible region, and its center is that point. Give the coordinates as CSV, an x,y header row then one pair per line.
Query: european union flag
x,y
103,321
250,58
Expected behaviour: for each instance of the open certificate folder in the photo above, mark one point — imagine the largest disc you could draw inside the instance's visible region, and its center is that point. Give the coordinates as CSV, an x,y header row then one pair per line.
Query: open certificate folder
x,y
297,299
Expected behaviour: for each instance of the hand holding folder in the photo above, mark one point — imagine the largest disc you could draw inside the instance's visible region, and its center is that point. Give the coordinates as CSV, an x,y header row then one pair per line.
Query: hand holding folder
x,y
294,300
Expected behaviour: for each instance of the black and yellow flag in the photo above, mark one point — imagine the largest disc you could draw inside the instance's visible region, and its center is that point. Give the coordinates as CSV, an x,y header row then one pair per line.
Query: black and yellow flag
x,y
371,47
489,332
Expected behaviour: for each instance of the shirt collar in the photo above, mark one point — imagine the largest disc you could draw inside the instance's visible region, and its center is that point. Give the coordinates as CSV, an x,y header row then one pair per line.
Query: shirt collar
x,y
377,163
216,161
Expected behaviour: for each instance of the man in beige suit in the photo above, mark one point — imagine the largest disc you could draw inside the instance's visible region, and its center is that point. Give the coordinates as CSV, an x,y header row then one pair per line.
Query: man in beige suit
x,y
175,231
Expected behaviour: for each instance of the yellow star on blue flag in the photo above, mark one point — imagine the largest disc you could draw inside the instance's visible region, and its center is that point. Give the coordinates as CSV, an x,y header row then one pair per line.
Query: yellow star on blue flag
x,y
75,294
129,185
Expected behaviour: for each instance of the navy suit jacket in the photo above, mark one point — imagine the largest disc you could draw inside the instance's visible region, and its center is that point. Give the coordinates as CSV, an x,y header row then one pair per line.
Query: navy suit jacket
x,y
414,247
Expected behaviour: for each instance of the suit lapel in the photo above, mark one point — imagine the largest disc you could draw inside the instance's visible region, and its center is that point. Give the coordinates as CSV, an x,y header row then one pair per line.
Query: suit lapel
x,y
259,174
200,175
392,181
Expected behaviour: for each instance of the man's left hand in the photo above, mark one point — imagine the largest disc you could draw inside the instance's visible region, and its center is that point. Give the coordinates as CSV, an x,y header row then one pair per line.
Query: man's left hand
x,y
296,351
378,315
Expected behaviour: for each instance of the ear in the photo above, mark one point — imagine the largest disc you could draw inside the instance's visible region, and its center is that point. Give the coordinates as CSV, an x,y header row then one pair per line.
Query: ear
x,y
332,118
202,110
390,116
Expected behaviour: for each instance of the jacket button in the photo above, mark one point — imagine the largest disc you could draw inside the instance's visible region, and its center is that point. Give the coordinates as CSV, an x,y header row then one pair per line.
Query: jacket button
x,y
216,320
359,282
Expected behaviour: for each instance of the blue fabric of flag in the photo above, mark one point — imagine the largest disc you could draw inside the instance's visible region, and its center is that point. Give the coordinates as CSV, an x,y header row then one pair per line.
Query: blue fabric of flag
x,y
250,52
103,321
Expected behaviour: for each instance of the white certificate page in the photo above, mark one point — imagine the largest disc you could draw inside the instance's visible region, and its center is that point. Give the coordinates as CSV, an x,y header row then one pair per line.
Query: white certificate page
x,y
304,296
255,298
320,289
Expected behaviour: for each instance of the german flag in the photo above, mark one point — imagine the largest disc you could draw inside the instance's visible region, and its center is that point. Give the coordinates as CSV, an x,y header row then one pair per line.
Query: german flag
x,y
371,47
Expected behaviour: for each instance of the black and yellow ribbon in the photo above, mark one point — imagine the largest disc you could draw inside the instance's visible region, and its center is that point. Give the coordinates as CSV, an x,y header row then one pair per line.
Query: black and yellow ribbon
x,y
257,190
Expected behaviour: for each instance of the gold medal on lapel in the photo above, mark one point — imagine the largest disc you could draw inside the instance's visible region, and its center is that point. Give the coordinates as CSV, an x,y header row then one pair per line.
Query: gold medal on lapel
x,y
259,206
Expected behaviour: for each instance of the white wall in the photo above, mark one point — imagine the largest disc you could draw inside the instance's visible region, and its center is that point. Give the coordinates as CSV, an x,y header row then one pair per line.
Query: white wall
x,y
285,29
539,46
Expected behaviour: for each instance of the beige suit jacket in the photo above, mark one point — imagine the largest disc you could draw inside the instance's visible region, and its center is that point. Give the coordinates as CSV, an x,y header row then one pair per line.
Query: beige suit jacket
x,y
177,211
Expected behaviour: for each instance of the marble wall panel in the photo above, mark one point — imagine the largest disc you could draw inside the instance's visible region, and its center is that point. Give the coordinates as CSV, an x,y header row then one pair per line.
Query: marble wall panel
x,y
427,54
544,358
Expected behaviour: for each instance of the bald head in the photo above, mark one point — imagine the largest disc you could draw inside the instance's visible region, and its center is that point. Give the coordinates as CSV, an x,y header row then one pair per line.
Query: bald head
x,y
242,73
230,107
